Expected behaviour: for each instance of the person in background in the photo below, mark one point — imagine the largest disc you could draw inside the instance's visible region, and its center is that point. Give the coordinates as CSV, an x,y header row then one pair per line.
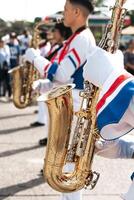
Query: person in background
x,y
25,41
129,57
5,51
44,47
14,50
4,67
60,35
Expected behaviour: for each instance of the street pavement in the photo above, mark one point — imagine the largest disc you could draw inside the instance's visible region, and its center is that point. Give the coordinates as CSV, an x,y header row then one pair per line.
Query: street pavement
x,y
21,159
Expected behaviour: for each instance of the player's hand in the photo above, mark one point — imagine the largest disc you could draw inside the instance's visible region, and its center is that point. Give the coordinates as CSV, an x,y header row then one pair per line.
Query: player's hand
x,y
31,54
42,85
107,149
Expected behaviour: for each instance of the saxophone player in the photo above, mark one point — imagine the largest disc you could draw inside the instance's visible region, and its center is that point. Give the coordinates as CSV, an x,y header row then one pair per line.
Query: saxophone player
x,y
68,65
117,105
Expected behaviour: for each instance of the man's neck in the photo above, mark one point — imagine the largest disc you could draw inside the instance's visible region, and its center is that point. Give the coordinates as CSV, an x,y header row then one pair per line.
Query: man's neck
x,y
61,41
75,28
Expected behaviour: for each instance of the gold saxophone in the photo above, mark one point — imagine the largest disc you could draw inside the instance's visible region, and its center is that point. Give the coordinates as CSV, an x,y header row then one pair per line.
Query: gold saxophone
x,y
23,77
60,106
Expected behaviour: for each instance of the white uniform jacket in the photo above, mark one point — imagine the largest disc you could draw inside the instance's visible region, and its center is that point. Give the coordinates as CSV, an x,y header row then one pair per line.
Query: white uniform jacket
x,y
115,107
68,59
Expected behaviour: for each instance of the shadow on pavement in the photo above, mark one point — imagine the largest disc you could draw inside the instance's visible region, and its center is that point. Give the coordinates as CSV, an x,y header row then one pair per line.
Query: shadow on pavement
x,y
12,130
16,151
14,116
12,190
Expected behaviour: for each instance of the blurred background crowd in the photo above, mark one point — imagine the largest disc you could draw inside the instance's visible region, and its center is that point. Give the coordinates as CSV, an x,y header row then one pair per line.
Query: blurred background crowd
x,y
16,37
48,35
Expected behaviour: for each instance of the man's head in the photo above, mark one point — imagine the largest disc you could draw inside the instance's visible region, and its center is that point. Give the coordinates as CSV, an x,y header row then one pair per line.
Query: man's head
x,y
13,37
43,35
25,32
77,11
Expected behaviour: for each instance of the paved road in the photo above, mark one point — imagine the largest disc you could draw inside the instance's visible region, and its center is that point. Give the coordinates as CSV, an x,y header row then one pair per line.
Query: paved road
x,y
21,160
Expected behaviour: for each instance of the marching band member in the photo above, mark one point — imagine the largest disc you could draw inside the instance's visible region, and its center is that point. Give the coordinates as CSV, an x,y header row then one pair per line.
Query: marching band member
x,y
44,47
67,66
60,34
115,107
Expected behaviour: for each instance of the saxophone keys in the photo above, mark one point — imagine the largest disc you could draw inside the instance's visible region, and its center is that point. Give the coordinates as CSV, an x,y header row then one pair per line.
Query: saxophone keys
x,y
83,114
92,179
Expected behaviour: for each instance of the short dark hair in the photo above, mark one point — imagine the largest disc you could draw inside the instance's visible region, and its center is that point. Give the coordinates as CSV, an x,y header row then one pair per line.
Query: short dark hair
x,y
88,4
65,32
43,35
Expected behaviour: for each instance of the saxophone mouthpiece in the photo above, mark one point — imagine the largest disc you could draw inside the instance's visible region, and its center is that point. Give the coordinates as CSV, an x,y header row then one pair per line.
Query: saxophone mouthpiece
x,y
60,19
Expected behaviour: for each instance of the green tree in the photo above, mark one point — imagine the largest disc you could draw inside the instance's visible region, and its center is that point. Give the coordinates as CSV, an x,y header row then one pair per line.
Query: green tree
x,y
132,17
19,26
3,27
99,2
15,26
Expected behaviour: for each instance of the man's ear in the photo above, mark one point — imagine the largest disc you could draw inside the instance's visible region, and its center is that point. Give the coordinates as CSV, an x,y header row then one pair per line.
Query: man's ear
x,y
77,11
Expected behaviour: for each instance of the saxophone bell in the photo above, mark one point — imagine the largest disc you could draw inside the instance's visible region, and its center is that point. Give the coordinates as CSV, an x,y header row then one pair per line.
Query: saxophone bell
x,y
22,80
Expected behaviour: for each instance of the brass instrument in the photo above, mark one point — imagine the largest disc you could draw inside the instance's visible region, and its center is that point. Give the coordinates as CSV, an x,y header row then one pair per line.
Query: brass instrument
x,y
111,37
23,77
60,106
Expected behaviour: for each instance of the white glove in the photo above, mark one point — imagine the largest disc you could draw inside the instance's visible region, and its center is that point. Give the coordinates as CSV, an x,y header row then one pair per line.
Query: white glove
x,y
120,148
31,54
42,85
107,149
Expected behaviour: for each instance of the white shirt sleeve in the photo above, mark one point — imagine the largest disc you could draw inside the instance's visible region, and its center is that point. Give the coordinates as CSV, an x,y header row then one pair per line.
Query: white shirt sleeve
x,y
44,50
75,57
100,64
7,53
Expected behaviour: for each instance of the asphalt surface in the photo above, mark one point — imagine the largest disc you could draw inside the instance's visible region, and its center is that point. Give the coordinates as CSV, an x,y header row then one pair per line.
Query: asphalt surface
x,y
21,159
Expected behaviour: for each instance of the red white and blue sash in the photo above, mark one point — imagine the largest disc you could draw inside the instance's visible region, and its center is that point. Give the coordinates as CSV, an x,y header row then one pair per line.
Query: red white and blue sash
x,y
112,105
51,68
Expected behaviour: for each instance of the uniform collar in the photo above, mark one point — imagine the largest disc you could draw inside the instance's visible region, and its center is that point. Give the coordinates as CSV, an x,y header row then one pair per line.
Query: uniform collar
x,y
81,29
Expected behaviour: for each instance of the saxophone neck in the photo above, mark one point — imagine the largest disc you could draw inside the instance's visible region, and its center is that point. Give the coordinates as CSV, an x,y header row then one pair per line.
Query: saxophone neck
x,y
36,35
110,40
